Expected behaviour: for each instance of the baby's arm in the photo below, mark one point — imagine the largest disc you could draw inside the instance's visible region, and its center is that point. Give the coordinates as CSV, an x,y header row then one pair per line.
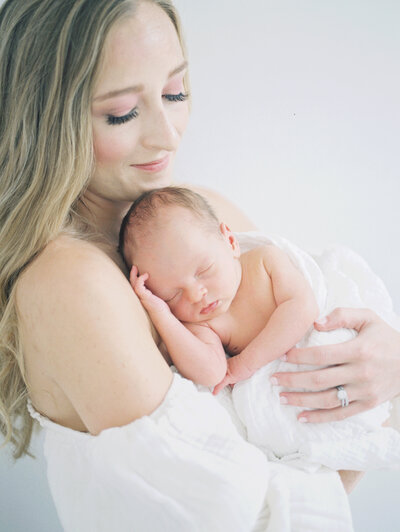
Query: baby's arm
x,y
296,310
195,349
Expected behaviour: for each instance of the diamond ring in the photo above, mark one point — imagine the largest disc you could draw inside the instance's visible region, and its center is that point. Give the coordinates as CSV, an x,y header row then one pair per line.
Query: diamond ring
x,y
342,396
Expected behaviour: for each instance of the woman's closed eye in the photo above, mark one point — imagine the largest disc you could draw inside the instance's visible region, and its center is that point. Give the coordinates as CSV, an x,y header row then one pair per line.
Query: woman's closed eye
x,y
113,120
116,120
180,97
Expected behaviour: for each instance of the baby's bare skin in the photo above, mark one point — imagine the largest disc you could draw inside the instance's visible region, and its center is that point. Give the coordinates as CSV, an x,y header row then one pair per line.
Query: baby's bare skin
x,y
251,308
256,305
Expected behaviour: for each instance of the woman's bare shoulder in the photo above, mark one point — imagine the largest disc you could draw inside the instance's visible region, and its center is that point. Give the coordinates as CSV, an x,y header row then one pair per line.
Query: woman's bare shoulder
x,y
65,256
226,211
84,327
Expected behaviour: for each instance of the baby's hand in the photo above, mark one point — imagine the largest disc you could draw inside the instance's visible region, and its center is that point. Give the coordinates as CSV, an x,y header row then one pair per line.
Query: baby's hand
x,y
150,301
237,371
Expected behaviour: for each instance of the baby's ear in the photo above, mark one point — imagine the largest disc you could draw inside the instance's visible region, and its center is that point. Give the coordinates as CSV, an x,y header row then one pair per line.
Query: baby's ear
x,y
231,239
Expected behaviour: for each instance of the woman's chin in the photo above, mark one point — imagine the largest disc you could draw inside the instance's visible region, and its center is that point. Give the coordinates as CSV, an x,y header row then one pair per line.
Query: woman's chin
x,y
157,181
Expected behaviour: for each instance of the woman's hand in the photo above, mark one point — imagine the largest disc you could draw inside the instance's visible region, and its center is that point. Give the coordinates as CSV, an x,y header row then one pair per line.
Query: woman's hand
x,y
368,367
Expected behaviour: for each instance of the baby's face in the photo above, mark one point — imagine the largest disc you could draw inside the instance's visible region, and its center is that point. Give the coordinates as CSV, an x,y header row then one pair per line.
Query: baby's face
x,y
195,271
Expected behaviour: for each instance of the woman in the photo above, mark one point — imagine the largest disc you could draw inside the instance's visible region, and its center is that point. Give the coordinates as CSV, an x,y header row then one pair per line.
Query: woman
x,y
94,102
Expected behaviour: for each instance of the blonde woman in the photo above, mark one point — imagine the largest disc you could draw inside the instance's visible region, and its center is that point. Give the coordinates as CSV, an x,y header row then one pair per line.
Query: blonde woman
x,y
93,103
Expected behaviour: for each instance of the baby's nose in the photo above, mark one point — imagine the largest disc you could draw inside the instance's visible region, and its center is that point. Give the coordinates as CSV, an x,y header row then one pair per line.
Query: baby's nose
x,y
196,293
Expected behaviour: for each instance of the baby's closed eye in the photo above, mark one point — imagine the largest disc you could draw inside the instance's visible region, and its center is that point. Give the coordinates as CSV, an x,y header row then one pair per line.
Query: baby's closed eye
x,y
170,298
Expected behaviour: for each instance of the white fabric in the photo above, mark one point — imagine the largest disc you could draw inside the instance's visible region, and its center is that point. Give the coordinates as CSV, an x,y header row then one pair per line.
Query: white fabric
x,y
339,277
183,468
186,467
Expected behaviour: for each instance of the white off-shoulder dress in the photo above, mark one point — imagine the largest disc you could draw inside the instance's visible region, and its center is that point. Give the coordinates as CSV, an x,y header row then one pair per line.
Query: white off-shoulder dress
x,y
184,468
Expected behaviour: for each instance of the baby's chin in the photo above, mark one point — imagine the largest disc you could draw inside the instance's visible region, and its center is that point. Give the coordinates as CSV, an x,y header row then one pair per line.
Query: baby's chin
x,y
201,318
193,319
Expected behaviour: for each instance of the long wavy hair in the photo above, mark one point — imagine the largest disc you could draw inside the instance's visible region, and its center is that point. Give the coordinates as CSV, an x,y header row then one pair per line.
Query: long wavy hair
x,y
50,52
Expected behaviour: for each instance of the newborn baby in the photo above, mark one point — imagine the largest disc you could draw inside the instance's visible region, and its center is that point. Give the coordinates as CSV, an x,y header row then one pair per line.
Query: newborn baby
x,y
206,298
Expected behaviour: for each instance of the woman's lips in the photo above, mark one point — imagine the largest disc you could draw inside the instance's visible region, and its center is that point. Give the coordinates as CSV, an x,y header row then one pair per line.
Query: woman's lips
x,y
209,308
153,166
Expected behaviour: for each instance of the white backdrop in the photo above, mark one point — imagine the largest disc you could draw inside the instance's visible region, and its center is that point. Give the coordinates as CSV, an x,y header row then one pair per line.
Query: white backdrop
x,y
296,118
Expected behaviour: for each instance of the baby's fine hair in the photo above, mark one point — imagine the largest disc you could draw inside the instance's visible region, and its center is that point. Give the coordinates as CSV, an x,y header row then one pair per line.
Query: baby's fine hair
x,y
145,209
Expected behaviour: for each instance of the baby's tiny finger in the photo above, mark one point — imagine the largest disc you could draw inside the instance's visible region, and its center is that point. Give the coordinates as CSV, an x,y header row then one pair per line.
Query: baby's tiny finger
x,y
140,287
141,280
218,388
144,276
220,385
133,274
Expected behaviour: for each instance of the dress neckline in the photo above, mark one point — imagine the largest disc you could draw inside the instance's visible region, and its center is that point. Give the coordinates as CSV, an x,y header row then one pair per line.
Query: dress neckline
x,y
46,423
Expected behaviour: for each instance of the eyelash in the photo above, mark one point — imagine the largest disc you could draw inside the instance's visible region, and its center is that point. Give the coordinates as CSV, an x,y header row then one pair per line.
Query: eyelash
x,y
117,120
171,298
205,270
198,275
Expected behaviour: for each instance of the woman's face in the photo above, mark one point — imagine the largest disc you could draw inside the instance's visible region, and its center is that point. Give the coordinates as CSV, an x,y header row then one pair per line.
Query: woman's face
x,y
140,107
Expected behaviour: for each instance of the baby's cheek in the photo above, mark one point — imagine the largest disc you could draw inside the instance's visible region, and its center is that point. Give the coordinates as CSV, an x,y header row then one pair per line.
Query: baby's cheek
x,y
181,313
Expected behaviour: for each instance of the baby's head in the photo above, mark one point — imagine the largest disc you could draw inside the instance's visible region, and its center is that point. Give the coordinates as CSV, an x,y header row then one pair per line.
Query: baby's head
x,y
192,260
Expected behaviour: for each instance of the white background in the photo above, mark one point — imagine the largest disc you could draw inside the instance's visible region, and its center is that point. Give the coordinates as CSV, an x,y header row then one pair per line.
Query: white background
x,y
296,118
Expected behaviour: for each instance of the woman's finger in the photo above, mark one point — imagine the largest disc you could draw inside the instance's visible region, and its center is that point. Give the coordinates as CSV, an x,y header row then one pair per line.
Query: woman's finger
x,y
322,355
327,399
333,414
316,380
347,318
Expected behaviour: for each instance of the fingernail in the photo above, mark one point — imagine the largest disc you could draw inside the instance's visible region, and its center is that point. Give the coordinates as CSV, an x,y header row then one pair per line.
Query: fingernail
x,y
283,400
274,381
283,358
321,321
303,420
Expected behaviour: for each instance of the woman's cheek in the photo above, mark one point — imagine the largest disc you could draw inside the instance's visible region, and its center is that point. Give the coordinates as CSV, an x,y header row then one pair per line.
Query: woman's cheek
x,y
112,146
178,115
184,118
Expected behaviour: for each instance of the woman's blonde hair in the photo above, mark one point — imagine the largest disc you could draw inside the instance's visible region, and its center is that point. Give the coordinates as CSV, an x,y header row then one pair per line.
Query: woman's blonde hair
x,y
50,51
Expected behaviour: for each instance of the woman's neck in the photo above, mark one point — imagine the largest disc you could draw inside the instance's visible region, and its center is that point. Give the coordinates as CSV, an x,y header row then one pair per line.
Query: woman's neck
x,y
104,215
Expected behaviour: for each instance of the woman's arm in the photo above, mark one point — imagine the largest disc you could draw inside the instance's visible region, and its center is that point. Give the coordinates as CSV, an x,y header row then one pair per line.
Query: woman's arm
x,y
91,336
367,366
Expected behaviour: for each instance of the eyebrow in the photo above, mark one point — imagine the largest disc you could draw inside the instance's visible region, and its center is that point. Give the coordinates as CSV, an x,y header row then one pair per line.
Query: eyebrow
x,y
137,88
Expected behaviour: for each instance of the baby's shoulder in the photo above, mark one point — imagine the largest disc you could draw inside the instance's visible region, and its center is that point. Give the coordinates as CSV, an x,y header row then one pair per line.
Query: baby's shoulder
x,y
261,253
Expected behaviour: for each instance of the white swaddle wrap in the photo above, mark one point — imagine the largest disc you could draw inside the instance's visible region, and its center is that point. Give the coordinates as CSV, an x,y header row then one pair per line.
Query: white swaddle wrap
x,y
339,278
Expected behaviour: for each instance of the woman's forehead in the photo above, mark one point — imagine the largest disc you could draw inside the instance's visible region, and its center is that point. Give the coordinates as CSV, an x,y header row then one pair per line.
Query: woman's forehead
x,y
138,49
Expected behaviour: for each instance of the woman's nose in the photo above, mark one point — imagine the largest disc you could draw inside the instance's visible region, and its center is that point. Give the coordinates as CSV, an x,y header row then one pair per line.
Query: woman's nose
x,y
160,132
195,293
